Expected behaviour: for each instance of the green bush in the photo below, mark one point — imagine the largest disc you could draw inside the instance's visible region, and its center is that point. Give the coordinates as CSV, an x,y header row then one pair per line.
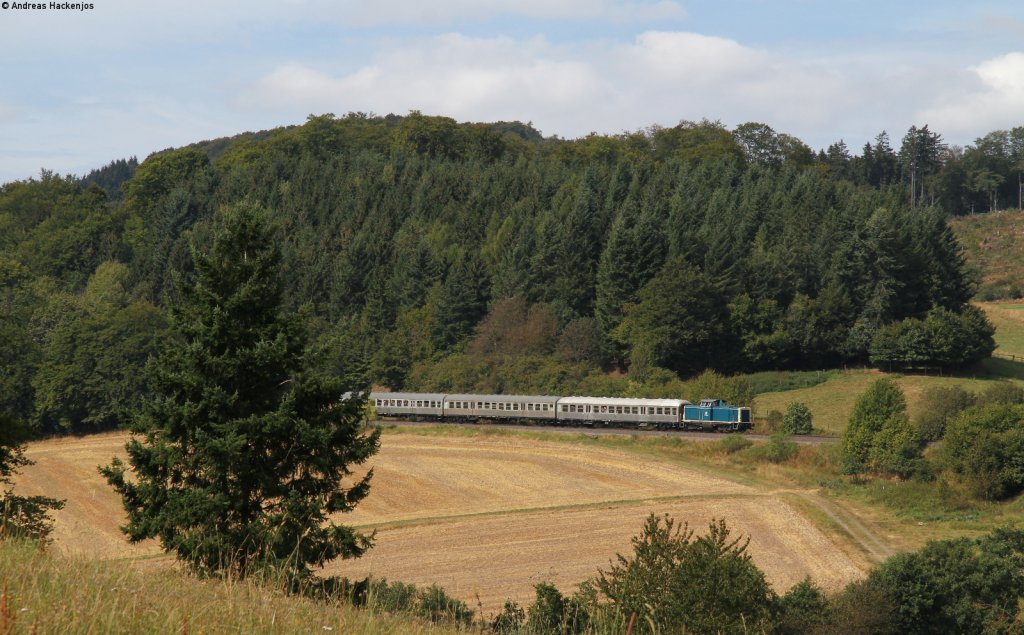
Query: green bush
x,y
779,449
675,582
554,613
984,449
774,420
937,406
797,419
510,620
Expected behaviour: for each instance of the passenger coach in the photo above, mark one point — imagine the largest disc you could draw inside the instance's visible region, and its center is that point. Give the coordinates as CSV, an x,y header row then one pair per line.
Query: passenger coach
x,y
533,407
662,413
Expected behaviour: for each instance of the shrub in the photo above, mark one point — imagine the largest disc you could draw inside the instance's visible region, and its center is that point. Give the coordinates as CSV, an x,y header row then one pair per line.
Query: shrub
x,y
779,449
552,612
734,443
797,419
984,448
510,620
938,405
775,420
677,583
880,401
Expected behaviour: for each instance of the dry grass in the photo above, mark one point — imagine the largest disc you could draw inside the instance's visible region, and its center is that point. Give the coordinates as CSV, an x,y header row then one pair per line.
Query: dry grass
x,y
488,516
46,592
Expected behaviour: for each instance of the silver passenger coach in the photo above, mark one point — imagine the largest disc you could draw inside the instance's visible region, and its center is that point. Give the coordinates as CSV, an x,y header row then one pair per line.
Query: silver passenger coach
x,y
590,410
500,406
400,404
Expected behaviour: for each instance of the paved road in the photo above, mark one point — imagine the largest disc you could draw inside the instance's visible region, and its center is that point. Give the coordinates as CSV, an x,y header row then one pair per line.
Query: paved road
x,y
696,436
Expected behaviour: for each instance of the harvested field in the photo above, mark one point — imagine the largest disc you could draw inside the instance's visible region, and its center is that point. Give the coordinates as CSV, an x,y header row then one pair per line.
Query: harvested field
x,y
487,517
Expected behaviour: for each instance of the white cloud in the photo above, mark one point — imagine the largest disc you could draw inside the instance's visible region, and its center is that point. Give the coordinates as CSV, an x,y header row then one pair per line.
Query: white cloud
x,y
987,97
659,77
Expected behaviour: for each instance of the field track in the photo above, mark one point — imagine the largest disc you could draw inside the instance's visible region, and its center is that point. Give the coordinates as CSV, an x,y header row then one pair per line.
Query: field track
x,y
490,516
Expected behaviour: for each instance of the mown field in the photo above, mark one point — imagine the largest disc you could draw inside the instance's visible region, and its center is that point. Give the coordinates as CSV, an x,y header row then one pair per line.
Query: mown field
x,y
490,515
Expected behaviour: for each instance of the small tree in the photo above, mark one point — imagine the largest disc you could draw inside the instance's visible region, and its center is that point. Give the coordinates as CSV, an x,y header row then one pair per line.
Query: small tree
x,y
797,419
882,400
239,452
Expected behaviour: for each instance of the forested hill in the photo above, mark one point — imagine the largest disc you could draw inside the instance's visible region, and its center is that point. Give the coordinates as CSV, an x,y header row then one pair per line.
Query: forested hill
x,y
426,248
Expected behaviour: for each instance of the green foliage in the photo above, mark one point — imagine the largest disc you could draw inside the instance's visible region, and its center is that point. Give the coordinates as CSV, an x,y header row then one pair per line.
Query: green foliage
x,y
677,321
942,340
801,609
674,581
882,400
797,419
937,406
896,448
91,374
241,447
779,448
775,420
952,586
510,620
552,612
984,448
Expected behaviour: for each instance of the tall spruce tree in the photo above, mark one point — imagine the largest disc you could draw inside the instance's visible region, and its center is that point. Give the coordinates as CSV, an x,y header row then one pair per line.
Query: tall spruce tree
x,y
239,452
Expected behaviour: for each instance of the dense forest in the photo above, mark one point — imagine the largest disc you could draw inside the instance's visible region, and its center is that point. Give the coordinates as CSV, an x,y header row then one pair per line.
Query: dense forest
x,y
433,254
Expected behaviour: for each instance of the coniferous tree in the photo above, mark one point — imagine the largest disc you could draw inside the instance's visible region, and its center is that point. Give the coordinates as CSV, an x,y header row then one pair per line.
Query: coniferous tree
x,y
239,452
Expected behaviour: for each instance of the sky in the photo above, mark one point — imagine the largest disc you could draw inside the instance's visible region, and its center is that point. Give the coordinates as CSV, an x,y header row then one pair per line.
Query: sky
x,y
79,88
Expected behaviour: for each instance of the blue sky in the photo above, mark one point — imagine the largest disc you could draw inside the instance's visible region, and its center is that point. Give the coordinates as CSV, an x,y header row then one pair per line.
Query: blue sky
x,y
80,88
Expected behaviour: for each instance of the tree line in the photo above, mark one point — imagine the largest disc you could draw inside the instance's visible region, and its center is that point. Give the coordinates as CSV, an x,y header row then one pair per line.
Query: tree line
x,y
670,250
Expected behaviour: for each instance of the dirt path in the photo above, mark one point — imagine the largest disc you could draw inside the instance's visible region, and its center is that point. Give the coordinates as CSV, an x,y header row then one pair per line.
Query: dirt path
x,y
489,517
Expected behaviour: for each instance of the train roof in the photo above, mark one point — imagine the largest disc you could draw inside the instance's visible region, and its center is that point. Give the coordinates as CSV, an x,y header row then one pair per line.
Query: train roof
x,y
505,398
625,401
407,395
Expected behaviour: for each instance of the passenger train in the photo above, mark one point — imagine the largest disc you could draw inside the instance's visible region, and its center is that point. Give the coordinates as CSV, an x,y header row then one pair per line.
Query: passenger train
x,y
662,414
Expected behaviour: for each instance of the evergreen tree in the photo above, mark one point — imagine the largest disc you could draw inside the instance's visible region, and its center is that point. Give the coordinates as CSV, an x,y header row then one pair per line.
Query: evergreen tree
x,y
238,455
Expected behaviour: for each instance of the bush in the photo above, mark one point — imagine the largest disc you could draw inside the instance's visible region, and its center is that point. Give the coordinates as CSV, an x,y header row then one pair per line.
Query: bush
x,y
510,620
801,609
779,449
938,405
552,612
797,419
953,586
881,400
984,449
734,443
676,583
432,603
775,420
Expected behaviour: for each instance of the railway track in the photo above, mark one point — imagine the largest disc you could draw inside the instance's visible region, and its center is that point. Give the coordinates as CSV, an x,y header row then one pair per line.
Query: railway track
x,y
683,434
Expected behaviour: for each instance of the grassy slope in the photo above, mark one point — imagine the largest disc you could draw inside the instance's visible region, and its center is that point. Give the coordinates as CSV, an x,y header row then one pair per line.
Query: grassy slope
x,y
832,401
49,593
994,246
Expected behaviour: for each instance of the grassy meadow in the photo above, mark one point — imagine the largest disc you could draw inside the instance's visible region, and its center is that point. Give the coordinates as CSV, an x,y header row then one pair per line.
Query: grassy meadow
x,y
46,592
831,401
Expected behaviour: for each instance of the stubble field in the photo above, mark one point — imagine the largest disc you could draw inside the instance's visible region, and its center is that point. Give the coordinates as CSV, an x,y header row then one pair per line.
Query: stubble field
x,y
488,517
